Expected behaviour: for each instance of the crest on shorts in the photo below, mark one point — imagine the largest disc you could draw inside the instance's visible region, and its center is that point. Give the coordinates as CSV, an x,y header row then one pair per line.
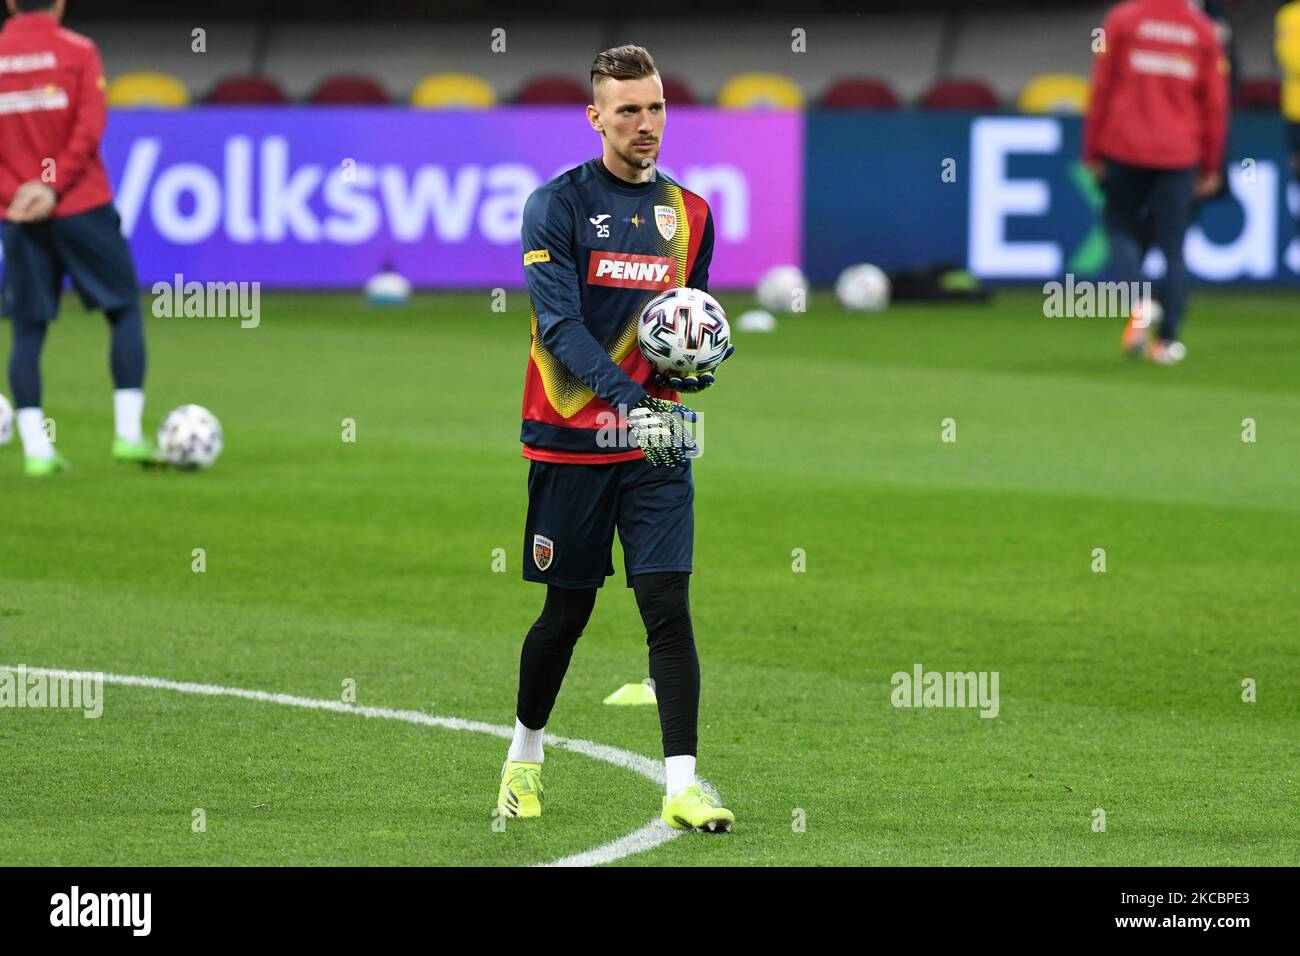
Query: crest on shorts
x,y
666,220
543,551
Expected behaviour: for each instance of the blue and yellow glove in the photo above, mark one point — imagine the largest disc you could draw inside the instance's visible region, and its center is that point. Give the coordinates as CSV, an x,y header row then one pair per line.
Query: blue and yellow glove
x,y
690,383
656,426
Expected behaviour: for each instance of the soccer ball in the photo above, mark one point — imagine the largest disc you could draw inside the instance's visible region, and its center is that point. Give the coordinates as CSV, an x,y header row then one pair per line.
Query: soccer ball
x,y
6,421
683,332
863,288
388,288
190,437
778,287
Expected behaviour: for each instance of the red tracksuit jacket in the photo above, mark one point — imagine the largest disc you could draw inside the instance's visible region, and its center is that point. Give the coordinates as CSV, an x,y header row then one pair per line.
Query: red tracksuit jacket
x,y
51,107
1160,89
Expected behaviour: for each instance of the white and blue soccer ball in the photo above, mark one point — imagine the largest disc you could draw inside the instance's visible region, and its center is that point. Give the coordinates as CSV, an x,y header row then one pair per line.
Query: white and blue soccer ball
x,y
6,421
863,288
783,289
388,288
683,332
190,437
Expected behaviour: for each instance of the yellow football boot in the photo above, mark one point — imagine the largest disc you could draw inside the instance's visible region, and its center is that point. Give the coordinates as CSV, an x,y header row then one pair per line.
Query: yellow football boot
x,y
694,809
521,789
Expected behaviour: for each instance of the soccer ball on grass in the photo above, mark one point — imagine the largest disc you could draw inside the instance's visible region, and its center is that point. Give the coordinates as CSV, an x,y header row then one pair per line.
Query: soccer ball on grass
x,y
190,437
863,288
783,289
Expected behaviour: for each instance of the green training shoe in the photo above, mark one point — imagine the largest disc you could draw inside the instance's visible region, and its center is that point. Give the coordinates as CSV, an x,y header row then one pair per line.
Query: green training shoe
x,y
695,809
39,467
520,794
144,451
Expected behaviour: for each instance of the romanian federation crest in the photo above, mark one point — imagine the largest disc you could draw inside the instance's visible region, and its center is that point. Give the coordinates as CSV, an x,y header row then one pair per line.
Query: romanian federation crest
x,y
543,551
666,220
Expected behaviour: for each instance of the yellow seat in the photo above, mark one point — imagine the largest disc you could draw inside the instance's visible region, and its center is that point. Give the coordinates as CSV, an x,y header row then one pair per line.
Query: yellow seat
x,y
748,91
1287,48
453,91
1055,93
146,90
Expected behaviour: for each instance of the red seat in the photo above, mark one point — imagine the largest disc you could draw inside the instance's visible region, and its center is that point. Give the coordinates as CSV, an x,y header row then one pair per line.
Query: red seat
x,y
676,92
247,90
960,95
1260,94
349,91
554,89
860,93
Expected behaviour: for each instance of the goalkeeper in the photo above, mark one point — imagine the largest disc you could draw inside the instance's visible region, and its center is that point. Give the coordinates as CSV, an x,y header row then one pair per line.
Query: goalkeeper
x,y
604,436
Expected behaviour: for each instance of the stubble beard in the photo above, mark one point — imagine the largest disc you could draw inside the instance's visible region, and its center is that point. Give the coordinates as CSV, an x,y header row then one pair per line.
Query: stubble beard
x,y
646,164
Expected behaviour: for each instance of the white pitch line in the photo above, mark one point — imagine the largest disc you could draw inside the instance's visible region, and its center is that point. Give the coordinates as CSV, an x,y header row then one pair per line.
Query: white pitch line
x,y
638,841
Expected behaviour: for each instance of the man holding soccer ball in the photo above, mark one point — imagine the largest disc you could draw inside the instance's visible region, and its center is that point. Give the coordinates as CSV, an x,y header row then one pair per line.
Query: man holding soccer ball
x,y
599,243
59,220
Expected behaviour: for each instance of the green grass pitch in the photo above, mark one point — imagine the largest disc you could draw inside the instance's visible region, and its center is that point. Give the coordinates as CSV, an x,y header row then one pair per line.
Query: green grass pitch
x,y
372,561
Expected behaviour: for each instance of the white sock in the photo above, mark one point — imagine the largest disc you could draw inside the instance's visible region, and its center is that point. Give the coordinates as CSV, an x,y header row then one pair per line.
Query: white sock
x,y
527,744
680,773
31,428
128,406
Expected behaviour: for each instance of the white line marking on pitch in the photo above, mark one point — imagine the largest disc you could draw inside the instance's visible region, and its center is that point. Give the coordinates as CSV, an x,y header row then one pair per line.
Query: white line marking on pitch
x,y
638,841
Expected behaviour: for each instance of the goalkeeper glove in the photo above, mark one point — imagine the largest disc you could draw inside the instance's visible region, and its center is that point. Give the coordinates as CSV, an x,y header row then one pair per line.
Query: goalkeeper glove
x,y
656,425
690,383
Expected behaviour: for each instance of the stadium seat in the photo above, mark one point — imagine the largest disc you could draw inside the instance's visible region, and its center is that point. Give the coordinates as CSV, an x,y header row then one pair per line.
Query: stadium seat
x,y
144,90
1055,93
960,95
349,90
543,90
453,91
747,91
677,92
246,90
860,93
1258,94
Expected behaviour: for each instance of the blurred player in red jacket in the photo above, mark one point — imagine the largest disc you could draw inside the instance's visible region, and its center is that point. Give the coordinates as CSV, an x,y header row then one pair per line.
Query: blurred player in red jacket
x,y
1154,137
59,220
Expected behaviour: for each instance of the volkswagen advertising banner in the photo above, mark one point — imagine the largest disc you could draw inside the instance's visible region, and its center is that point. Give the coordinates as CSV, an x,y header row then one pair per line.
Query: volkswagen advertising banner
x,y
326,197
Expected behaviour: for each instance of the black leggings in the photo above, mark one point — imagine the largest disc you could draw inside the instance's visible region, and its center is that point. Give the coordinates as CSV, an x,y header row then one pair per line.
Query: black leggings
x,y
664,601
1150,207
126,356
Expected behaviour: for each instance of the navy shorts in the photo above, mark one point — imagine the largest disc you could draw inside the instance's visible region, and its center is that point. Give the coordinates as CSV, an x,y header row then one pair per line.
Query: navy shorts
x,y
87,247
574,509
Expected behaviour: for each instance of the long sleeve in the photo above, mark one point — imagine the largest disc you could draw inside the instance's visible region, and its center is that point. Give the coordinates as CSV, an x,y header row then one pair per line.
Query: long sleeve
x,y
552,277
87,126
703,259
1214,101
9,184
1103,73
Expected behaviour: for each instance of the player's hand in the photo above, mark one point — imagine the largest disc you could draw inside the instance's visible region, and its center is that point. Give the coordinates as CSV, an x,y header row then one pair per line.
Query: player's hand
x,y
656,425
690,383
1208,184
32,202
